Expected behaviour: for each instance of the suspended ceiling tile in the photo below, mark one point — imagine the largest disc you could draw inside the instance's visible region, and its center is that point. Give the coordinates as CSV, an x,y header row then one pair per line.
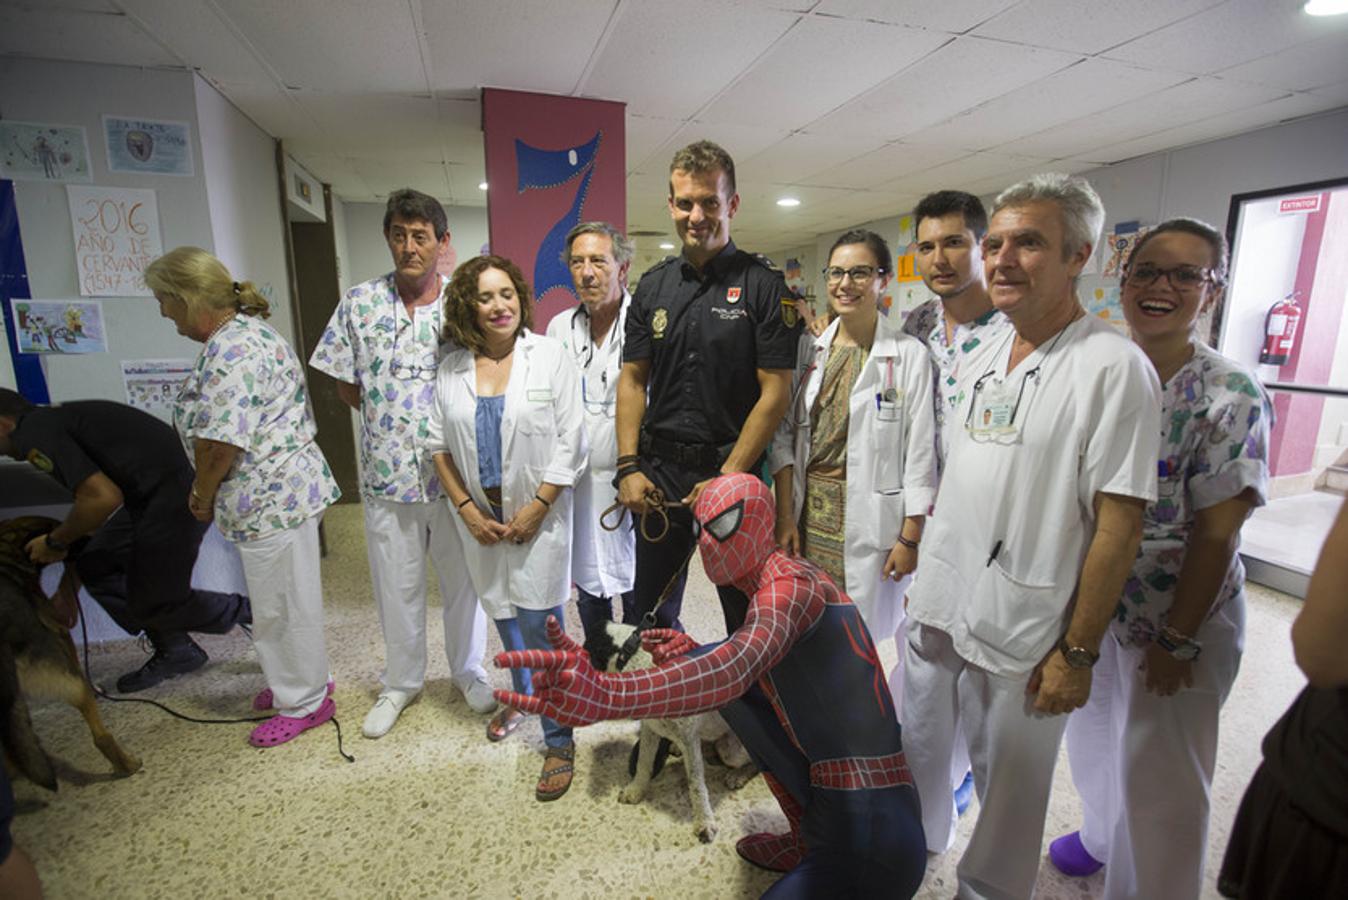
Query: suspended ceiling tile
x,y
80,36
954,16
883,165
276,112
1087,28
742,142
463,185
645,134
336,171
385,178
962,74
1302,68
194,31
1192,101
798,156
1263,115
518,44
1082,89
369,47
368,123
669,59
819,65
1229,34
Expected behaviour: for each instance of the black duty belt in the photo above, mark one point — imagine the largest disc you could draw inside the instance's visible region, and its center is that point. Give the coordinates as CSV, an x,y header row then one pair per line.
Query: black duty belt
x,y
703,457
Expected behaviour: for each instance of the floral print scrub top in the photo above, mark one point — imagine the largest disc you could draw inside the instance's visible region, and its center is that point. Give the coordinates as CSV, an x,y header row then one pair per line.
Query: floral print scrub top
x,y
371,341
927,324
247,389
1215,422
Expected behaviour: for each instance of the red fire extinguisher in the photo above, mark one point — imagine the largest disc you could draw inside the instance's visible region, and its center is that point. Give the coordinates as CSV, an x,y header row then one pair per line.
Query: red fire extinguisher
x,y
1280,330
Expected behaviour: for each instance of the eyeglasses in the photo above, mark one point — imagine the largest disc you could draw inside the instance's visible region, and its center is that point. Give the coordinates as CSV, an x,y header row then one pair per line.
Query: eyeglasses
x,y
1181,278
858,274
422,369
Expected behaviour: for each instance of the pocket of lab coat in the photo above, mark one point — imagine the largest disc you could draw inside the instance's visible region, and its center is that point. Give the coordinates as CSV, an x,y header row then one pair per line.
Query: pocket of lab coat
x,y
887,455
1022,620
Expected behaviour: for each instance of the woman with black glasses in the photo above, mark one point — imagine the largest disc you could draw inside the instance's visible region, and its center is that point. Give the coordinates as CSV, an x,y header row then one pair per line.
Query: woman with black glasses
x,y
854,460
1144,746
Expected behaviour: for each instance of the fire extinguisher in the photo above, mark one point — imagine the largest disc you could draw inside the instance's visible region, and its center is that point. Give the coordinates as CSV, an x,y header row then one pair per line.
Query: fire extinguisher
x,y
1280,329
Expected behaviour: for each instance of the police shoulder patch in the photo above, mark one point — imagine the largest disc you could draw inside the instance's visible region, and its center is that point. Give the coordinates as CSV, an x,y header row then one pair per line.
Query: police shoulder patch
x,y
40,461
790,315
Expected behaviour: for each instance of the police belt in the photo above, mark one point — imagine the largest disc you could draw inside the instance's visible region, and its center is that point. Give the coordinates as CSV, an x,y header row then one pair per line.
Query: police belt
x,y
699,457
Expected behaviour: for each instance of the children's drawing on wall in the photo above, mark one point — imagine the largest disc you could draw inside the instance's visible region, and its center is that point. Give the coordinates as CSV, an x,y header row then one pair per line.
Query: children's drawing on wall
x,y
1103,303
32,151
59,326
448,261
148,146
1118,244
152,384
906,291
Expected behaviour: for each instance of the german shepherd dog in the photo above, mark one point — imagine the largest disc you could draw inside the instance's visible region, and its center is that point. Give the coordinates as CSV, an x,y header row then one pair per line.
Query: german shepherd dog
x,y
37,657
686,733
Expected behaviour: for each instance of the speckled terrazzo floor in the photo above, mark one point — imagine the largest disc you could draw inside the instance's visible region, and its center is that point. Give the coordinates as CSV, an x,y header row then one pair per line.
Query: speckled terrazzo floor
x,y
433,809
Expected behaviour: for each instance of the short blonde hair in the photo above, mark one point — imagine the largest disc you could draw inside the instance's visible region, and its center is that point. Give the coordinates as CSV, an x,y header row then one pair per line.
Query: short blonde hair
x,y
202,282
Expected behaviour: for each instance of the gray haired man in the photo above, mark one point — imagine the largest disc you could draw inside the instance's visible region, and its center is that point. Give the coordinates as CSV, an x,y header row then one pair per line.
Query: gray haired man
x,y
1051,460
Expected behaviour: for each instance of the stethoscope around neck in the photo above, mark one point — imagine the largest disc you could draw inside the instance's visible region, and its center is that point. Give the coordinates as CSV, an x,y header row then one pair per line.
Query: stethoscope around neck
x,y
586,346
800,415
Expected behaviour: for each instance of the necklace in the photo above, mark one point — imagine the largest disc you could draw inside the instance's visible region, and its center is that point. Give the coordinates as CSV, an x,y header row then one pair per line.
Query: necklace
x,y
497,359
221,324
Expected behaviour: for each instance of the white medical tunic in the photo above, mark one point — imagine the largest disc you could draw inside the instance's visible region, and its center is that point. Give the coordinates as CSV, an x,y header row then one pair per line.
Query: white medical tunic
x,y
1004,548
603,563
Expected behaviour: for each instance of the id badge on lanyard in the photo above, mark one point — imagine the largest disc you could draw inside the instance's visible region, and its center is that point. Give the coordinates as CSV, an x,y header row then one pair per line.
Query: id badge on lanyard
x,y
889,401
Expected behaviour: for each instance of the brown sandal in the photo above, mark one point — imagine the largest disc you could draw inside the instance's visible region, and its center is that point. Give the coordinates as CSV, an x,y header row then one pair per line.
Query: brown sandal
x,y
504,723
567,755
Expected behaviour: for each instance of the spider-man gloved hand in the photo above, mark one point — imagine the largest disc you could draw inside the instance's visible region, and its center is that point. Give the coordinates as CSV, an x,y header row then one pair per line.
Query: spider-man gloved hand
x,y
666,644
566,687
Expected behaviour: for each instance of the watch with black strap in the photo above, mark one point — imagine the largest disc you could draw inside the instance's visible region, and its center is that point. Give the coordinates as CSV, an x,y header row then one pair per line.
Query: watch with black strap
x,y
58,545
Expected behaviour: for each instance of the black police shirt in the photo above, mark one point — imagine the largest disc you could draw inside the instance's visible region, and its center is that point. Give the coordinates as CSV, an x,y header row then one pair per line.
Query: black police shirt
x,y
73,441
706,334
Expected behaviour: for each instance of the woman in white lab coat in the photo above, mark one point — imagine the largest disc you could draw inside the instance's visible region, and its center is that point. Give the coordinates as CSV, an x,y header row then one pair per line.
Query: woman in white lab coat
x,y
854,460
507,434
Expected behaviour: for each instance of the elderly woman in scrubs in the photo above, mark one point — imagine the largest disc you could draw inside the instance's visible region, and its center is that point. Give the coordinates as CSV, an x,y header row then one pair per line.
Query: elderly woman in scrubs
x,y
1144,746
854,460
507,434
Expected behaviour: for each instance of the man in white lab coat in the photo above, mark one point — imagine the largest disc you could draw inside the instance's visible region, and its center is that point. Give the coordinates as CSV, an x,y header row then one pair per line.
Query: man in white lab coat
x,y
1036,525
603,561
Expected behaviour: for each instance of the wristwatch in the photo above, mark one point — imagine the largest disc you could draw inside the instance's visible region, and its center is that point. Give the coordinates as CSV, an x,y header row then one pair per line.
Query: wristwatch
x,y
57,545
1076,657
1180,646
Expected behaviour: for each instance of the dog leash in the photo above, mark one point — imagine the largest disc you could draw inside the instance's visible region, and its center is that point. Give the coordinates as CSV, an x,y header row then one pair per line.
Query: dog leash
x,y
656,505
633,642
98,689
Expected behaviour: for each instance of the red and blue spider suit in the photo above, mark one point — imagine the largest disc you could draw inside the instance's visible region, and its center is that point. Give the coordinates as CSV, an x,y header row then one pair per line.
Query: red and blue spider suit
x,y
800,684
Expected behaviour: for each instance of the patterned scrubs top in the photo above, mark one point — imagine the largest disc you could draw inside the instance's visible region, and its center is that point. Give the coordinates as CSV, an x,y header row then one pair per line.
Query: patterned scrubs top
x,y
371,341
247,390
927,324
1215,422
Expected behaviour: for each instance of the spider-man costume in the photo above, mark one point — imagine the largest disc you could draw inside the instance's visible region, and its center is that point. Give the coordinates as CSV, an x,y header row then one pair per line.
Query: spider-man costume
x,y
801,685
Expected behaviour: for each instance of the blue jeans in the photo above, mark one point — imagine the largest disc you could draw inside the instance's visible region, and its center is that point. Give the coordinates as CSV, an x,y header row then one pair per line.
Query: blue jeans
x,y
596,611
528,630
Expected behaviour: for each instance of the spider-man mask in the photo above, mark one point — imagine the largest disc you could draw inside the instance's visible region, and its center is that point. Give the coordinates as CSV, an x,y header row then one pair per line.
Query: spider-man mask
x,y
734,516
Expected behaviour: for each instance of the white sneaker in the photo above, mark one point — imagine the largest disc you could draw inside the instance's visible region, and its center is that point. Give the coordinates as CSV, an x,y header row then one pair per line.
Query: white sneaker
x,y
379,720
479,696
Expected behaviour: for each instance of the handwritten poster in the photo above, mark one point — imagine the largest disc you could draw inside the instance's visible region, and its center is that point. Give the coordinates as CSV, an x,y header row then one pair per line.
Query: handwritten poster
x,y
32,151
152,384
148,146
58,326
116,237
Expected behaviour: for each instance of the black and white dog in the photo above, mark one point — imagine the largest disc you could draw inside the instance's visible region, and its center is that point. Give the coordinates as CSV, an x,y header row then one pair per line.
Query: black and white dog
x,y
687,734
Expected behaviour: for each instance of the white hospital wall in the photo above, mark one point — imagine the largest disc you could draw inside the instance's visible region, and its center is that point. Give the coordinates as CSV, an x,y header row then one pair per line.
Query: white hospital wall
x,y
242,191
234,186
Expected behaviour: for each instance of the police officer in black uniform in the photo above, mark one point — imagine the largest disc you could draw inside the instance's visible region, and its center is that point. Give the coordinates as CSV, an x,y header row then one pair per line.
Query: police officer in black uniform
x,y
124,464
711,335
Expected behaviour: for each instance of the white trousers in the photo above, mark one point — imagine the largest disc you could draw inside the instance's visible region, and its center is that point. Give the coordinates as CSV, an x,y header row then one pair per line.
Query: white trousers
x,y
1012,749
399,538
959,758
287,596
1143,764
